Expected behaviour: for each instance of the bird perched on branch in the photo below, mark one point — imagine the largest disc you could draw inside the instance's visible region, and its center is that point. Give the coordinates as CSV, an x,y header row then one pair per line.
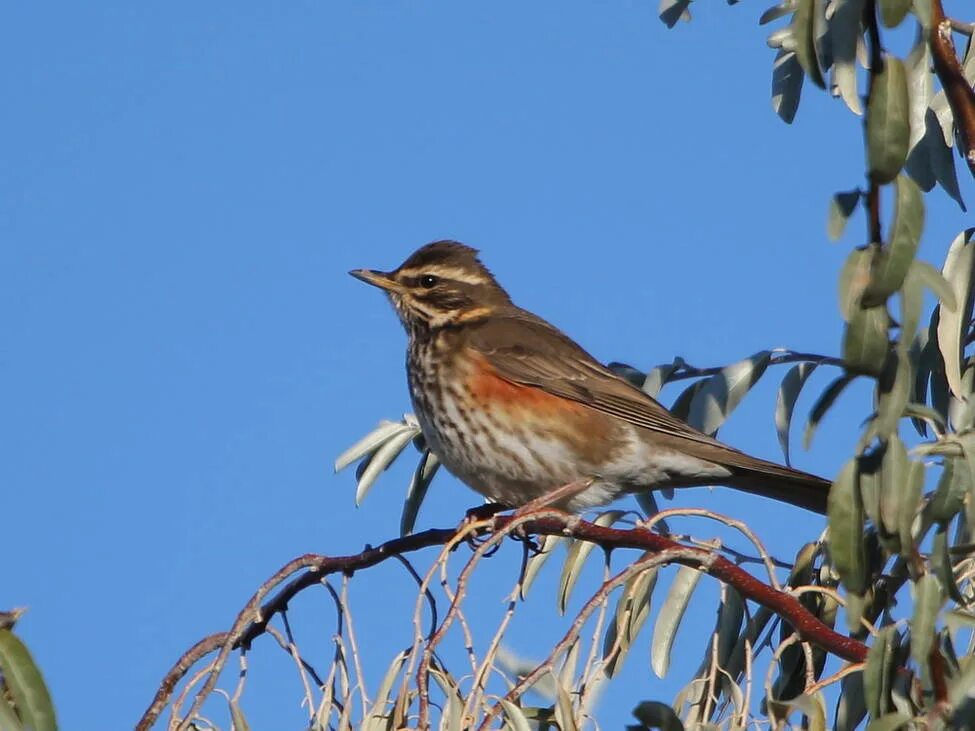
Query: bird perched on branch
x,y
518,411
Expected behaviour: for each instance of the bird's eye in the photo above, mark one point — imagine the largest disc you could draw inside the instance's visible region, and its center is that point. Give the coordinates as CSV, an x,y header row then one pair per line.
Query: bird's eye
x,y
428,280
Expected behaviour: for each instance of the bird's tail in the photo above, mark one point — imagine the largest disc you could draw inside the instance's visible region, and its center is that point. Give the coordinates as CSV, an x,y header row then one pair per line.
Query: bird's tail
x,y
784,484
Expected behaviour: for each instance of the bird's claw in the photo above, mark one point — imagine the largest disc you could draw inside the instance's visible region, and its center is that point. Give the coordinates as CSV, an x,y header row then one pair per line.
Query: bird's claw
x,y
479,514
483,512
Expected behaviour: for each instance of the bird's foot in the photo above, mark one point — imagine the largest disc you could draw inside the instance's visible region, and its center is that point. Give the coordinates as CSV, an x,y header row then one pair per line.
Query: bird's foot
x,y
478,514
483,512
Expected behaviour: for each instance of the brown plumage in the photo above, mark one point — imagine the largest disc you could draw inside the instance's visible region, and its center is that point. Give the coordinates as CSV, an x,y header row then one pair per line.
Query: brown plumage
x,y
515,408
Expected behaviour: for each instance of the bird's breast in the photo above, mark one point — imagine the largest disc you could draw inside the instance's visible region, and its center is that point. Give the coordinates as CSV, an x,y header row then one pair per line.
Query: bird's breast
x,y
507,439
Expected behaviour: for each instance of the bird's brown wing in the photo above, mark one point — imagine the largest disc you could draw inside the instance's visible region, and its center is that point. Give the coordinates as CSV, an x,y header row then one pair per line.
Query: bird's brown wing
x,y
525,349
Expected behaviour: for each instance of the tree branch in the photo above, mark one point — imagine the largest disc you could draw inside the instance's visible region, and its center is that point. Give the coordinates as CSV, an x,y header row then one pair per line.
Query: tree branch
x,y
684,371
960,96
254,618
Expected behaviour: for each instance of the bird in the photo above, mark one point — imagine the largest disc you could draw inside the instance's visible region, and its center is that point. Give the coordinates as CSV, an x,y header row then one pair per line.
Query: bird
x,y
519,411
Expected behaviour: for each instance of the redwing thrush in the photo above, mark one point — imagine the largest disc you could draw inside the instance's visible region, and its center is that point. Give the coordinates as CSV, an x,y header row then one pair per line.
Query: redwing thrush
x,y
516,409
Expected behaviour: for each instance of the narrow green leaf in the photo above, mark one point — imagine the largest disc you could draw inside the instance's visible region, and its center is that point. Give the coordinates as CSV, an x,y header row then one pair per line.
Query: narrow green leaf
x,y
854,278
731,613
682,404
722,392
658,376
878,670
962,413
912,302
570,663
888,122
822,405
923,353
967,441
891,264
804,29
578,553
378,709
893,485
869,478
785,402
865,342
943,568
952,488
668,621
25,684
516,718
846,544
844,33
370,443
670,11
564,714
952,324
631,614
855,606
787,76
777,11
423,475
927,602
894,392
910,501
381,459
841,207
919,164
452,719
546,548
942,158
635,376
813,707
851,708
935,281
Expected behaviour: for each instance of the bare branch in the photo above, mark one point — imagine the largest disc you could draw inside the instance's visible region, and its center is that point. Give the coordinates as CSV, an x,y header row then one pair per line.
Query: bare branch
x,y
253,619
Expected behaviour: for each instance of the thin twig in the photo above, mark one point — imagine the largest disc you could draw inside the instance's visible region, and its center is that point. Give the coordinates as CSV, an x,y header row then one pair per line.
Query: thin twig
x,y
487,546
592,666
685,371
291,648
252,620
676,555
853,667
731,523
360,677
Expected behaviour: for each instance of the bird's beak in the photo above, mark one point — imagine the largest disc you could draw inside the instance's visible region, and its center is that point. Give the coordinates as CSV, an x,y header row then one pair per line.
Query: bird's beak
x,y
376,279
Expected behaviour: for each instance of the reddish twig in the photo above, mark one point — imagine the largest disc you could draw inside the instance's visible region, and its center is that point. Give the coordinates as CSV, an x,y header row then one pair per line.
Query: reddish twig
x,y
960,96
253,620
808,626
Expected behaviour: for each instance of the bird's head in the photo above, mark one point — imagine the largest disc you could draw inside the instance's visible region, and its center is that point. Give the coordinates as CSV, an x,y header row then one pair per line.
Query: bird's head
x,y
441,284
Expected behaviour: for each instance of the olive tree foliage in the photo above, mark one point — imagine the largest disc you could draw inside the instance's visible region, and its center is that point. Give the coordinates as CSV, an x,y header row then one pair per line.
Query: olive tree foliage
x,y
869,625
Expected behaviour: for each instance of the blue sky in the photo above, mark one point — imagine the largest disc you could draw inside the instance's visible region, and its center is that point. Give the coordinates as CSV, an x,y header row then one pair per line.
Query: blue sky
x,y
183,188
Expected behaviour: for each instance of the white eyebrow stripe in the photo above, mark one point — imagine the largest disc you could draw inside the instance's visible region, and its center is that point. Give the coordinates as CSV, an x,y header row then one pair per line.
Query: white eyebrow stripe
x,y
455,273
